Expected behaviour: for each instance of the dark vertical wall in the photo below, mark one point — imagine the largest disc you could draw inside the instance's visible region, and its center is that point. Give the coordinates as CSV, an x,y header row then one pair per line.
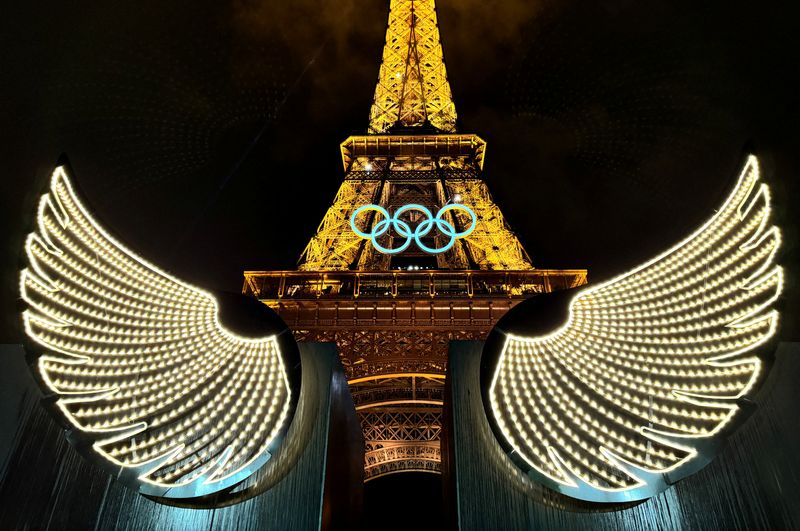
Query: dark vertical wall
x,y
17,392
344,461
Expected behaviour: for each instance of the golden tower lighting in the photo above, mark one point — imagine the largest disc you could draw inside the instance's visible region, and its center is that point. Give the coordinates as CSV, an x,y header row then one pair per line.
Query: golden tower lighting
x,y
392,316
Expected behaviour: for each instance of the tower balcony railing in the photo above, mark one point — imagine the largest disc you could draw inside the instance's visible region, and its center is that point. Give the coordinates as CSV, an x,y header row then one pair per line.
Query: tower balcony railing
x,y
402,284
398,145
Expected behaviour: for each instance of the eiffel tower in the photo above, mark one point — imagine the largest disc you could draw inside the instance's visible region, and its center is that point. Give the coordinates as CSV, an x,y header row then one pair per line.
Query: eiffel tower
x,y
447,269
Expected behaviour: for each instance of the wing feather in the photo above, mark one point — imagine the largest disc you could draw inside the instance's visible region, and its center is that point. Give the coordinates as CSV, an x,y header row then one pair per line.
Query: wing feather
x,y
649,365
140,361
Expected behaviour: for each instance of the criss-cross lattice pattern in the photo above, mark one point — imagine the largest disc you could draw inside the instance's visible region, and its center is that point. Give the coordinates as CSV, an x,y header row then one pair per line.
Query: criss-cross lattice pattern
x,y
412,85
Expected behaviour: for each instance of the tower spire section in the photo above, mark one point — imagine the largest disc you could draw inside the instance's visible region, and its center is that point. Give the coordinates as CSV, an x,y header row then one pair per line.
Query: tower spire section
x,y
412,89
413,156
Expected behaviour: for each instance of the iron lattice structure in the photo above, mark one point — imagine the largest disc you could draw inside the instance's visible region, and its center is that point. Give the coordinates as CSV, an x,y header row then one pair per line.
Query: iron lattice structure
x,y
412,85
394,170
392,316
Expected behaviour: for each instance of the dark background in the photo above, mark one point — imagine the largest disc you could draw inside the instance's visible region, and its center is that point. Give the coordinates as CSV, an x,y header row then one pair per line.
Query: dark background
x,y
205,133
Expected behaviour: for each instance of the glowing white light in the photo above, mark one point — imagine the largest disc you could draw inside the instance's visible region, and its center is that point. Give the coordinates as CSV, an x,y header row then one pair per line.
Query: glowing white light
x,y
648,363
140,359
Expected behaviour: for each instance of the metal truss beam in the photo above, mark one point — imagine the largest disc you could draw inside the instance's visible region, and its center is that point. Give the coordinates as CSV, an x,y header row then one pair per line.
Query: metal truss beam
x,y
412,87
402,457
335,246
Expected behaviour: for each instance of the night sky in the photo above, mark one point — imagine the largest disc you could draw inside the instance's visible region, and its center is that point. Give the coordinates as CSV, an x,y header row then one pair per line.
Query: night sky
x,y
206,134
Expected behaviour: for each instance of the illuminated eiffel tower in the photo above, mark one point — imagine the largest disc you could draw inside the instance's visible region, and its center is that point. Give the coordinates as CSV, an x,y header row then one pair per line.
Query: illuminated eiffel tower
x,y
392,314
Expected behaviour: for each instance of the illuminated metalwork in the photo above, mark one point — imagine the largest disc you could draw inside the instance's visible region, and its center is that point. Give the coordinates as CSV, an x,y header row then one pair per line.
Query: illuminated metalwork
x,y
633,391
402,457
401,439
393,314
367,156
172,402
422,228
335,246
283,287
385,350
406,424
396,389
492,245
412,87
489,245
392,328
401,415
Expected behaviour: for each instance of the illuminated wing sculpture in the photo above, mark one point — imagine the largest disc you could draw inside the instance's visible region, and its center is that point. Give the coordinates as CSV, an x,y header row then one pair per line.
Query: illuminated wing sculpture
x,y
647,371
167,398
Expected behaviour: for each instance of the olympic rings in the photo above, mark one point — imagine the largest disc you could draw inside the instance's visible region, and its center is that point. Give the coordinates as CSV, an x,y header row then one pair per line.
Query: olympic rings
x,y
403,229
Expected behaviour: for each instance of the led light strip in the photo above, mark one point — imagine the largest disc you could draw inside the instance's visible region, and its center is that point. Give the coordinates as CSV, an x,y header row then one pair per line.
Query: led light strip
x,y
645,372
403,229
141,362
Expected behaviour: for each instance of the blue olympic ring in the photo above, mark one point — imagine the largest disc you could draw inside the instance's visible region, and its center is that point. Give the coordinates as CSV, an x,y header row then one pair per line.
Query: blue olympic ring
x,y
404,230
